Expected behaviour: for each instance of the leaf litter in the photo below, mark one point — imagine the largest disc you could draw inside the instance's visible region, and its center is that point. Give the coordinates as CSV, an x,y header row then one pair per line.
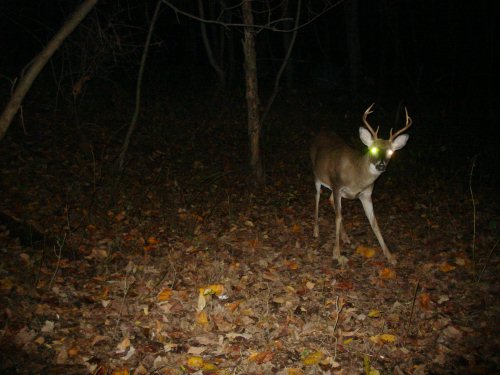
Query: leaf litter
x,y
193,271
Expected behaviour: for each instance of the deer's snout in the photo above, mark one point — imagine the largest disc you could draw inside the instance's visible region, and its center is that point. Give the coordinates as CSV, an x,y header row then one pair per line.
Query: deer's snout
x,y
381,165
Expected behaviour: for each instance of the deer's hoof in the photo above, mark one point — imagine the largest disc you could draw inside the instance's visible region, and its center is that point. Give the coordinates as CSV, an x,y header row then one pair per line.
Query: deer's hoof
x,y
342,260
392,260
316,232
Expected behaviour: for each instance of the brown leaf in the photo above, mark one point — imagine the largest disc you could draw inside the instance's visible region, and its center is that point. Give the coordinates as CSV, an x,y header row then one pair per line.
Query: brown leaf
x,y
387,274
261,357
424,300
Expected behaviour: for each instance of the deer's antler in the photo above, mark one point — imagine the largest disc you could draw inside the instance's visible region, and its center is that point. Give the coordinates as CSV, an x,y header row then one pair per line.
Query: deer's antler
x,y
365,115
408,124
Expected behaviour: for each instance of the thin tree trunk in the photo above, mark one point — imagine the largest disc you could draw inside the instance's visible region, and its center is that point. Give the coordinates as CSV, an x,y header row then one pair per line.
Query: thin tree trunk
x,y
133,122
352,26
286,59
252,93
39,62
208,48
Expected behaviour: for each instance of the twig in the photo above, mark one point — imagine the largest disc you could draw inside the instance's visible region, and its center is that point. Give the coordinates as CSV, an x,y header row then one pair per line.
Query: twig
x,y
408,324
338,309
473,218
487,261
125,293
60,245
268,26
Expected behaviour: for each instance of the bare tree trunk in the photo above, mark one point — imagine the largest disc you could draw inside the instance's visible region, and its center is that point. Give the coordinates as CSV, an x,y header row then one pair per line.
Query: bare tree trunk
x,y
353,44
219,70
252,93
284,64
133,122
39,62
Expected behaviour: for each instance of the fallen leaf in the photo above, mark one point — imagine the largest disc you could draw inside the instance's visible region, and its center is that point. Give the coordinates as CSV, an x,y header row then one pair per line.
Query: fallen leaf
x,y
294,371
201,317
120,372
424,300
291,264
165,295
446,267
152,240
124,344
48,326
296,228
384,338
261,357
366,252
195,362
312,358
387,273
310,285
374,314
216,289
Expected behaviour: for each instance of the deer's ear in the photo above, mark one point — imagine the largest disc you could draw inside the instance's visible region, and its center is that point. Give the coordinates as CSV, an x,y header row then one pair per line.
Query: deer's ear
x,y
400,142
365,136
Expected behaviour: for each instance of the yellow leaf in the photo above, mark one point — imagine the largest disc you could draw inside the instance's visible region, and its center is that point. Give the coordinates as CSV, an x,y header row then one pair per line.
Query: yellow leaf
x,y
388,273
202,317
209,367
72,352
374,314
446,267
216,289
369,370
120,372
165,294
348,341
195,362
296,228
386,337
294,371
312,358
365,251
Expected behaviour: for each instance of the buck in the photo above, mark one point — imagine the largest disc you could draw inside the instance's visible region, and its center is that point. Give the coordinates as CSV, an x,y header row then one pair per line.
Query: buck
x,y
350,174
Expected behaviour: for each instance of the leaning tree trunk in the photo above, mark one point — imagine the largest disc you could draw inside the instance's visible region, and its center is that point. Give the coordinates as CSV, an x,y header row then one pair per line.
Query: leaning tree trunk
x,y
39,62
252,93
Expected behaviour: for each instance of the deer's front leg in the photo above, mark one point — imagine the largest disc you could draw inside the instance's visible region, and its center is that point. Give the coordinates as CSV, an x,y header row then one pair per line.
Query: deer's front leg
x,y
338,225
366,200
343,234
318,193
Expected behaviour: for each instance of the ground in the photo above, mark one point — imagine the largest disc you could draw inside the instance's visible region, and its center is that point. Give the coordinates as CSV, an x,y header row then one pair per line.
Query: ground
x,y
180,264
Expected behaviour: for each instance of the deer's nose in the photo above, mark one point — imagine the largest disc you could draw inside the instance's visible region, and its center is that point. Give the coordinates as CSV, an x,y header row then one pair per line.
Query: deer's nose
x,y
381,165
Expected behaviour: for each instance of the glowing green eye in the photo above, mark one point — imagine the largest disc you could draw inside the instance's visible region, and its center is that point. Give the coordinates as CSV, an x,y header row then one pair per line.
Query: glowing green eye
x,y
374,151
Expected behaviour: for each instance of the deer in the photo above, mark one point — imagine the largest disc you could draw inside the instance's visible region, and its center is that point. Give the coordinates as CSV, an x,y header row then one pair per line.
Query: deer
x,y
349,173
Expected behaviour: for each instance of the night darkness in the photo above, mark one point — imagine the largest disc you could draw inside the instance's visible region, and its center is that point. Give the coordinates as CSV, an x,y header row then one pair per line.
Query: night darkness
x,y
191,250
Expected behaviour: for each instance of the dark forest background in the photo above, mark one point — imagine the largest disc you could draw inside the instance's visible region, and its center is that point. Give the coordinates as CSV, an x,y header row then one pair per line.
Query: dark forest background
x,y
422,50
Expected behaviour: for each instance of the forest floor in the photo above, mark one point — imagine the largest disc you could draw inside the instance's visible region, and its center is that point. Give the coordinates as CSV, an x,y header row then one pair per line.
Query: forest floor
x,y
182,266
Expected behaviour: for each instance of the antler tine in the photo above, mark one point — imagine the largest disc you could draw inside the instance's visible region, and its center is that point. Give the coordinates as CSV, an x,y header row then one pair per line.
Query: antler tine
x,y
408,124
365,115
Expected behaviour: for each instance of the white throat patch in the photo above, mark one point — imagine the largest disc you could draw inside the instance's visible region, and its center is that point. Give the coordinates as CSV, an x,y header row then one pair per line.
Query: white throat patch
x,y
373,170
